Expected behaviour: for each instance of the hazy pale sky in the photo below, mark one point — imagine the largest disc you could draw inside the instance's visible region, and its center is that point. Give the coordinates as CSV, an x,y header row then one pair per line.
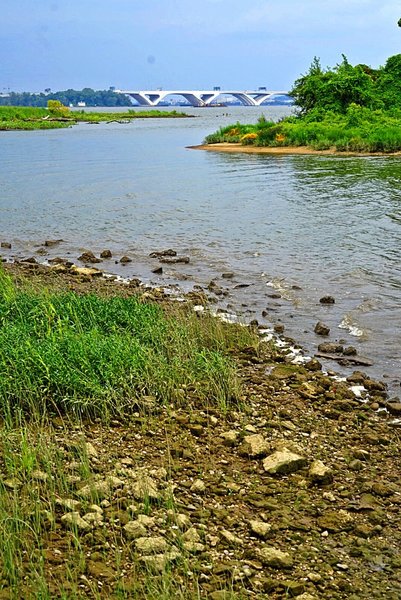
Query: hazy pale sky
x,y
145,44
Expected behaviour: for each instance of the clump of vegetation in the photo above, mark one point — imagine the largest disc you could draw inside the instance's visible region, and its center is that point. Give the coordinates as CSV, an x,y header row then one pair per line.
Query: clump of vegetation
x,y
99,356
57,115
347,108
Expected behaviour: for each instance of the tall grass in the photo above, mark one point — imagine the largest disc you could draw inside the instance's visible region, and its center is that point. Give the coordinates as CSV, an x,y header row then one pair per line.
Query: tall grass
x,y
29,118
98,356
359,130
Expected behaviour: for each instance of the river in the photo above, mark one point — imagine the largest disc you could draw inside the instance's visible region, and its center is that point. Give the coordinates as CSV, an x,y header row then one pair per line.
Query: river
x,y
298,226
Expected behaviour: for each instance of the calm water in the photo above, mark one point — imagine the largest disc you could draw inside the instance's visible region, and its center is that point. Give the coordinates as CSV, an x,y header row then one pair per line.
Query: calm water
x,y
325,225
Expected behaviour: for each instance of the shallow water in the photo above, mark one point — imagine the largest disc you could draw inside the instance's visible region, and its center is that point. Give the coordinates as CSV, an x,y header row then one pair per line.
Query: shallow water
x,y
325,224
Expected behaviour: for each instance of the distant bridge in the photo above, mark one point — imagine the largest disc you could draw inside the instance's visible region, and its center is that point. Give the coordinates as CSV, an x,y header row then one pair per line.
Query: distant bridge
x,y
201,97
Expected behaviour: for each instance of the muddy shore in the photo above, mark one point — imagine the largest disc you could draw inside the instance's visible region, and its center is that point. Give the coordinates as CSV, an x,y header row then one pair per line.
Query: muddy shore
x,y
293,493
282,150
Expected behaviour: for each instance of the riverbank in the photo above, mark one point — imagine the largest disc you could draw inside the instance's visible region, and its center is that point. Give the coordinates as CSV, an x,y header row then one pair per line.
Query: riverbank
x,y
282,150
290,489
13,118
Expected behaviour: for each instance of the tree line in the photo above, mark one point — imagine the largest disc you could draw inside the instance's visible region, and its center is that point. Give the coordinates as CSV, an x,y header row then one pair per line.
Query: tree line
x,y
88,95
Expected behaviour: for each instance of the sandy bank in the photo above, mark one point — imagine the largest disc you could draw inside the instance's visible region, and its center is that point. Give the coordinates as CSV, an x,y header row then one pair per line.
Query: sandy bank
x,y
282,150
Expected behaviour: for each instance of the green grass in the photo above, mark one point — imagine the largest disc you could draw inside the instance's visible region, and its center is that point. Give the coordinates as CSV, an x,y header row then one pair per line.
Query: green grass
x,y
95,356
359,130
30,118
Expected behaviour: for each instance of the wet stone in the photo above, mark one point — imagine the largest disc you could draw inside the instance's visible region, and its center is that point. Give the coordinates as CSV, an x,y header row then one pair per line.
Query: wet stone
x,y
106,254
327,300
321,329
89,257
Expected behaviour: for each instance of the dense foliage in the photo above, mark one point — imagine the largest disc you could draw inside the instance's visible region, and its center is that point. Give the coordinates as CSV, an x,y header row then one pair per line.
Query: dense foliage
x,y
347,108
337,88
88,95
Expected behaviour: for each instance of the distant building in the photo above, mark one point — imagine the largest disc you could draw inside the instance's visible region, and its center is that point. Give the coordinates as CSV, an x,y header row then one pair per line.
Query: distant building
x,y
81,104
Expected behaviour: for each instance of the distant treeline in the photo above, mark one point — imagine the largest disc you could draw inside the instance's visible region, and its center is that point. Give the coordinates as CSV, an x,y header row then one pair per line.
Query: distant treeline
x,y
67,97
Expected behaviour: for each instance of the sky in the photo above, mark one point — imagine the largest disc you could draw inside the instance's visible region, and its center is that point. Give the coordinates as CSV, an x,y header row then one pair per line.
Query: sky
x,y
184,44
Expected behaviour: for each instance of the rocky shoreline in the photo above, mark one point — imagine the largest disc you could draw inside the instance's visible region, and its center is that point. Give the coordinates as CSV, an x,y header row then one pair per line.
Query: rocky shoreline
x,y
293,493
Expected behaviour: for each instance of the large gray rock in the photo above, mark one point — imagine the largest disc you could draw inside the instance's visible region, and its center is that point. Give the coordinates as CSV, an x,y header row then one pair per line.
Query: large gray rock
x,y
284,461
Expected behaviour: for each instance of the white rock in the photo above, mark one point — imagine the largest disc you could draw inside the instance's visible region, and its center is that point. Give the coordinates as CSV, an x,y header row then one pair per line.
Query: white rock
x,y
284,461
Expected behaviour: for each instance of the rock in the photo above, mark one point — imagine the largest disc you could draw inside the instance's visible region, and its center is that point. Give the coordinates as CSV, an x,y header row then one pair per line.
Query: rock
x,y
335,521
350,351
86,271
12,483
394,408
330,348
313,365
134,530
6,245
159,562
146,521
319,473
173,261
151,545
100,489
106,254
39,476
260,528
272,557
158,271
68,503
191,535
146,488
194,547
89,257
93,518
230,438
198,486
321,329
50,243
307,596
327,300
99,570
75,521
125,259
162,253
183,521
90,450
229,537
254,446
284,461
278,328
227,275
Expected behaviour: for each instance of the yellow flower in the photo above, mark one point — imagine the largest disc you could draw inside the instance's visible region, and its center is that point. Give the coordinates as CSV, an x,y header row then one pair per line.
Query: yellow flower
x,y
248,138
280,137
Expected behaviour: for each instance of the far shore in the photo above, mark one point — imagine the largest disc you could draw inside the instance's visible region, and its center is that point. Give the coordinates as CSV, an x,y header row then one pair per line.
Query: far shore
x,y
282,150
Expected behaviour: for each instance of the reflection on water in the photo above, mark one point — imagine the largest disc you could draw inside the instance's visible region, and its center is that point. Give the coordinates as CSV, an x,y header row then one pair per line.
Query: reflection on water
x,y
320,223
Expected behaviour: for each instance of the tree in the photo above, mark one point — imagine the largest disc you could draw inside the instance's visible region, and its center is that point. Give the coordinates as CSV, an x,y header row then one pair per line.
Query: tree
x,y
334,89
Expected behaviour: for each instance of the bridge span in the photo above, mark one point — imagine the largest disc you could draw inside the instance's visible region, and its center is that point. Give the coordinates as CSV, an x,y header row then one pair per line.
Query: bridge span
x,y
201,97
